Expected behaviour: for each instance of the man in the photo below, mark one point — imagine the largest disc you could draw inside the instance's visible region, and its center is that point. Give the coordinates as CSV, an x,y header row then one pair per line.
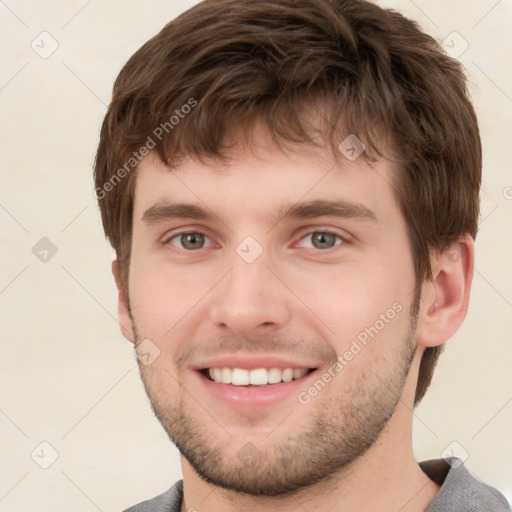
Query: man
x,y
291,188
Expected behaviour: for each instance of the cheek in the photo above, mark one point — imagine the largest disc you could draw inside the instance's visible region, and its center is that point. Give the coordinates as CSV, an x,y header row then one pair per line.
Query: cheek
x,y
353,300
162,296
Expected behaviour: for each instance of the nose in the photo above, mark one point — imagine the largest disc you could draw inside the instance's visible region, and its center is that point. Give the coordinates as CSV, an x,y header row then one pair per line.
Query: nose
x,y
250,298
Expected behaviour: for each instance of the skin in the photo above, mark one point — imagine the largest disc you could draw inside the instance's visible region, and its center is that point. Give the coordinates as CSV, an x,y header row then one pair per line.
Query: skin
x,y
300,302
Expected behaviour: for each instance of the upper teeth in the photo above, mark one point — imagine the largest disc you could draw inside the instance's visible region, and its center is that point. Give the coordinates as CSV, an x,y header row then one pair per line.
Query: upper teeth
x,y
257,377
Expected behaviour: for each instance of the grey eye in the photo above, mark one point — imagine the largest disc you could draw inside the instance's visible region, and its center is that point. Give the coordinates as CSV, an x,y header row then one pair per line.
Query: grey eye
x,y
321,240
189,241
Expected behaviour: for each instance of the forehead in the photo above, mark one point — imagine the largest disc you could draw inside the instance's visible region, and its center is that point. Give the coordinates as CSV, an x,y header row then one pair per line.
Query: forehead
x,y
266,180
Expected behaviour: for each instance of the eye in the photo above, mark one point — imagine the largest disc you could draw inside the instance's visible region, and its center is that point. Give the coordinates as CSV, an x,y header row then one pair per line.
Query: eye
x,y
190,241
321,240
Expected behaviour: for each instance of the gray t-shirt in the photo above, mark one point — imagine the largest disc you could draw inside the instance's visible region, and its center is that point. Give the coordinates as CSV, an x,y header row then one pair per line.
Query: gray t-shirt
x,y
460,492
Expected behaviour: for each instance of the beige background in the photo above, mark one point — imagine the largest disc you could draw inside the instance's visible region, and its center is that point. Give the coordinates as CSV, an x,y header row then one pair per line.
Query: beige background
x,y
68,378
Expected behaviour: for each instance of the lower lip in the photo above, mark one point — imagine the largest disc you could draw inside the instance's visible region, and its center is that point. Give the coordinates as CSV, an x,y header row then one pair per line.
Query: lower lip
x,y
255,397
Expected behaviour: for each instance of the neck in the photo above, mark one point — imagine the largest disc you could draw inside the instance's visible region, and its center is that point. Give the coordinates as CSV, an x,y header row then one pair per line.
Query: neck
x,y
386,478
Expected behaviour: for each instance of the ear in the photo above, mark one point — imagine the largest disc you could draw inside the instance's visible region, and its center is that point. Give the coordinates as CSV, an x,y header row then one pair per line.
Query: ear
x,y
125,317
445,299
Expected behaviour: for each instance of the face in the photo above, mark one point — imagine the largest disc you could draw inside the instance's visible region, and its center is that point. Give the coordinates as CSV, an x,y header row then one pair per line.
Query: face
x,y
273,298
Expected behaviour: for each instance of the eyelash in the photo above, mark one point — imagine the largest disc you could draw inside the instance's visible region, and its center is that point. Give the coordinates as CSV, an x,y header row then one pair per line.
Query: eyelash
x,y
343,240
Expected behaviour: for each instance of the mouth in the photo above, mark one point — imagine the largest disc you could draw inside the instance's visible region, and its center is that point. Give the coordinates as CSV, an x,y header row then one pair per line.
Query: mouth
x,y
253,383
257,377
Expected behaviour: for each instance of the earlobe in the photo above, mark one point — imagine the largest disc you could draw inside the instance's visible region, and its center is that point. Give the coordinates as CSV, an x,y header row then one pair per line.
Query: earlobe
x,y
445,299
125,318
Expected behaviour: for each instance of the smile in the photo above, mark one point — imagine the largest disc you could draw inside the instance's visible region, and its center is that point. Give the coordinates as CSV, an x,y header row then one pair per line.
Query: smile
x,y
256,376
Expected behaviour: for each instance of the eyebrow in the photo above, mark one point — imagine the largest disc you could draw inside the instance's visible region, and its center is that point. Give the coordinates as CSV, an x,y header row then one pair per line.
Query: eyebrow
x,y
167,210
323,208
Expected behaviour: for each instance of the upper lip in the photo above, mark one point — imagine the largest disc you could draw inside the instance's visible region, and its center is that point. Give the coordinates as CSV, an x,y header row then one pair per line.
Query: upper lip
x,y
253,361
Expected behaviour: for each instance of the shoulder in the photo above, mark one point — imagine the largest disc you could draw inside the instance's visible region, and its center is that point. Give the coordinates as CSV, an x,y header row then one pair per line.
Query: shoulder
x,y
460,490
169,501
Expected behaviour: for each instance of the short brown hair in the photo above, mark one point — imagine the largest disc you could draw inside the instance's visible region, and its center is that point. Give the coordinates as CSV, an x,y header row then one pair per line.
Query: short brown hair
x,y
370,71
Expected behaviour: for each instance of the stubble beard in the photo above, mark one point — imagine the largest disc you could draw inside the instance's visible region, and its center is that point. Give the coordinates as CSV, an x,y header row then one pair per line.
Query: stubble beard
x,y
339,431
